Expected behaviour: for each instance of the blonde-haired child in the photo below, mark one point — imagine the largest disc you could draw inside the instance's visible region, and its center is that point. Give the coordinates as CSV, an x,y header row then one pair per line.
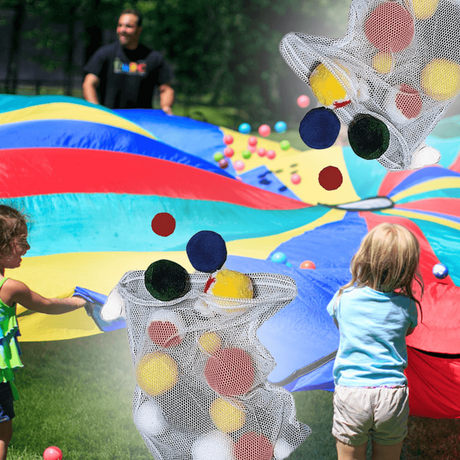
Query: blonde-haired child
x,y
374,312
13,245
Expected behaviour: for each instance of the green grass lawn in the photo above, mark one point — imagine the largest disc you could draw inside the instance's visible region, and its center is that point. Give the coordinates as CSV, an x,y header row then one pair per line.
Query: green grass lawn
x,y
77,394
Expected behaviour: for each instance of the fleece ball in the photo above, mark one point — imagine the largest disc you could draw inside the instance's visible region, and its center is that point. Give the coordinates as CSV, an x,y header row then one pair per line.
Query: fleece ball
x,y
230,372
157,373
369,137
232,284
206,251
166,280
319,128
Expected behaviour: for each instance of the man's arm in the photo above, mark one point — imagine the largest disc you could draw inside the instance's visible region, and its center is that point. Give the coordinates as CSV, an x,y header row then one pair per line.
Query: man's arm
x,y
90,83
166,98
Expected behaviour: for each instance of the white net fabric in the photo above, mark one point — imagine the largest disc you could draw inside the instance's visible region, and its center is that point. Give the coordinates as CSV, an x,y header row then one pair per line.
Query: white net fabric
x,y
399,62
202,391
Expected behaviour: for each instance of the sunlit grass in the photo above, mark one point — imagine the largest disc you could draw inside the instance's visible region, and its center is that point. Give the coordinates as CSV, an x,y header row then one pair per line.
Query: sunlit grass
x,y
77,394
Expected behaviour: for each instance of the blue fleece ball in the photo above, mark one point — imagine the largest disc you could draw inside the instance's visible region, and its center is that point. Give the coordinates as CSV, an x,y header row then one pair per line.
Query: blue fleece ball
x,y
206,251
319,128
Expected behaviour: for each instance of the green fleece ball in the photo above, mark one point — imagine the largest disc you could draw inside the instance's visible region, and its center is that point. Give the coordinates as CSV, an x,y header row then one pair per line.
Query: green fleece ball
x,y
166,280
369,137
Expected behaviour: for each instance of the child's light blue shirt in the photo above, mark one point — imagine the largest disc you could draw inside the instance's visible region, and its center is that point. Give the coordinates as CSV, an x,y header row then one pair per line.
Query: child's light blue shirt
x,y
373,327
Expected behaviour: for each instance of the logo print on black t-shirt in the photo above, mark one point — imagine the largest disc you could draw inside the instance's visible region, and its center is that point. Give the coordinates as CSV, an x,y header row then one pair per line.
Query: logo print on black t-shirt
x,y
131,68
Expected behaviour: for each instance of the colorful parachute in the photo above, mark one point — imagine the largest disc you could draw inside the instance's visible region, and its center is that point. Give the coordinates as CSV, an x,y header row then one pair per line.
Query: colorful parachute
x,y
93,179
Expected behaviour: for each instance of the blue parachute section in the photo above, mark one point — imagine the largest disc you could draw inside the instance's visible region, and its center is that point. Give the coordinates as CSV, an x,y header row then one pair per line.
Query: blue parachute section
x,y
191,136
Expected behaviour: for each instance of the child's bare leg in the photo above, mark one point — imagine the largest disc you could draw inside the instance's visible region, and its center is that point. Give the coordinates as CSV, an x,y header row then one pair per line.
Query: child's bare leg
x,y
381,452
347,452
6,432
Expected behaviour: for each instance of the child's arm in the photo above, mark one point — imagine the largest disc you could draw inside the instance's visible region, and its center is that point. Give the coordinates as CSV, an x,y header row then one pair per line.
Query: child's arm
x,y
16,291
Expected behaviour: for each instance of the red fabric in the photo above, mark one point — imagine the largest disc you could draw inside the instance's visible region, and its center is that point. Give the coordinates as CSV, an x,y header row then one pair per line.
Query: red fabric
x,y
41,171
434,385
449,206
456,165
391,180
439,324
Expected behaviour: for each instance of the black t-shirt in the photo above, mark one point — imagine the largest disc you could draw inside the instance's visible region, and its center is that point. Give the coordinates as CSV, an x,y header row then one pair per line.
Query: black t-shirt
x,y
128,77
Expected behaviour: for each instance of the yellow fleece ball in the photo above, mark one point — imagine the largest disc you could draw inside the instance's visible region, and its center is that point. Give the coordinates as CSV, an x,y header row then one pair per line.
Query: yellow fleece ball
x,y
325,86
227,416
156,373
424,9
382,62
209,342
233,285
441,79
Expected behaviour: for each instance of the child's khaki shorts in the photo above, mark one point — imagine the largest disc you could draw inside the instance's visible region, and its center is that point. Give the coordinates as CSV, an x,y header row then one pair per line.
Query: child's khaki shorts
x,y
360,412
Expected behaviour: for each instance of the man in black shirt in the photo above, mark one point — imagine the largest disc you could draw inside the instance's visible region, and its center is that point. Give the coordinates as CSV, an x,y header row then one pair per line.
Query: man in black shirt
x,y
124,74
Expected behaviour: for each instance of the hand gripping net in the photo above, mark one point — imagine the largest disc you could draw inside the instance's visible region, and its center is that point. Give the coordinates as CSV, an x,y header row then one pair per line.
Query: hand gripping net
x,y
399,62
202,391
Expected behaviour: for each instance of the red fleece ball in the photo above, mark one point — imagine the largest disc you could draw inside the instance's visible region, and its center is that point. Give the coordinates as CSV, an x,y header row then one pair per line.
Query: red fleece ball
x,y
229,372
252,446
164,334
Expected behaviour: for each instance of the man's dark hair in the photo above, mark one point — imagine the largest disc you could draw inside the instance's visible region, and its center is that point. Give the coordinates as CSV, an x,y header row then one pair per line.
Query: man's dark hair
x,y
135,12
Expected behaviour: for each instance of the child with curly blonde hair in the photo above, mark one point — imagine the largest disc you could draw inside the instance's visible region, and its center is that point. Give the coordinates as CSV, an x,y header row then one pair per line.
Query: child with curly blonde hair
x,y
374,312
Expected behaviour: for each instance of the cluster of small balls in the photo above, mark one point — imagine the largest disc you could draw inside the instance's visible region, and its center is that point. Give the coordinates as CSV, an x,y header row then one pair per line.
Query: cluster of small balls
x,y
330,178
264,130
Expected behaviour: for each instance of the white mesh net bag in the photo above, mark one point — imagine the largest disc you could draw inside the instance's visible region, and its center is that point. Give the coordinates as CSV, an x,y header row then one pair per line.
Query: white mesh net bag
x,y
202,391
399,63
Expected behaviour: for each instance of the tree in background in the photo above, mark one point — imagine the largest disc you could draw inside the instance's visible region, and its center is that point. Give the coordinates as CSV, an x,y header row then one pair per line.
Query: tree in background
x,y
228,50
19,8
58,32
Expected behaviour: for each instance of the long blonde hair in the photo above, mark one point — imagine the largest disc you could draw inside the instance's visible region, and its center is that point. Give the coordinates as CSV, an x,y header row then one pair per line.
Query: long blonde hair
x,y
387,261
